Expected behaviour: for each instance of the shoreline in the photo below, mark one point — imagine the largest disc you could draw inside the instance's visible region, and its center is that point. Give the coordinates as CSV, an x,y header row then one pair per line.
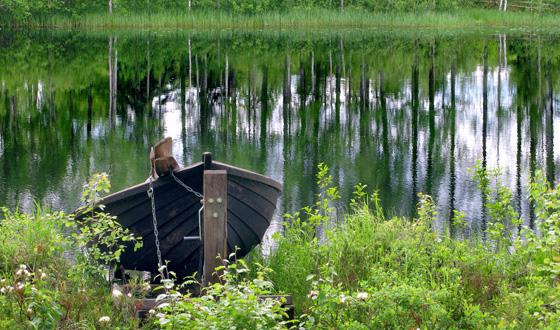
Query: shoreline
x,y
317,19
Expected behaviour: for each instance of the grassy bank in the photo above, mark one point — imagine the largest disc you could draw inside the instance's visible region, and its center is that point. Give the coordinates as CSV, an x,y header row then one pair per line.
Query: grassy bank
x,y
368,272
365,272
306,19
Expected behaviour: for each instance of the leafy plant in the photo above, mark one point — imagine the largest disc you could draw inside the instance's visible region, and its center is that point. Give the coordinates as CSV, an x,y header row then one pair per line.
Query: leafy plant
x,y
233,303
99,234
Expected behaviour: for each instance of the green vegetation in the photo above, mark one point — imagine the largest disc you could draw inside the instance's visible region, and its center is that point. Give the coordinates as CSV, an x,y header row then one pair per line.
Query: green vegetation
x,y
369,272
52,268
276,13
234,303
361,273
307,18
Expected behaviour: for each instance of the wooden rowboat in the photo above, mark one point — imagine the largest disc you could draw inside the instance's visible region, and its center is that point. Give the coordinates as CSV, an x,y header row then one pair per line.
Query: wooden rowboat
x,y
251,204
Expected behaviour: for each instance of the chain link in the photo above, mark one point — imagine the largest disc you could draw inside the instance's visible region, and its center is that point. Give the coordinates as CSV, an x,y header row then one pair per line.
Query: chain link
x,y
189,189
154,218
156,232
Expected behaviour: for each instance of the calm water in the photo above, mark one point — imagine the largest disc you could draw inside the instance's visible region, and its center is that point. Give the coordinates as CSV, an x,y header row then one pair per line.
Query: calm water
x,y
402,112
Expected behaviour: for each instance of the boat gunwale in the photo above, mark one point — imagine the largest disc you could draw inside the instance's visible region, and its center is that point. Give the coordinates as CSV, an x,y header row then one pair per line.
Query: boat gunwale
x,y
234,170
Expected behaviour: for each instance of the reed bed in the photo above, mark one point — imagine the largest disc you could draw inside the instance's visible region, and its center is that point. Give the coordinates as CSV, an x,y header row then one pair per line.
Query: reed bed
x,y
303,19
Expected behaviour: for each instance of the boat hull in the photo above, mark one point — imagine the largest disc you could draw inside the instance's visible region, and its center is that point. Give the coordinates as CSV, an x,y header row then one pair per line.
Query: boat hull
x,y
252,200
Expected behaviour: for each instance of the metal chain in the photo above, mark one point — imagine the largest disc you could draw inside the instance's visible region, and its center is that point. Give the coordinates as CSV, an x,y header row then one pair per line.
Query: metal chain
x,y
154,218
189,189
156,233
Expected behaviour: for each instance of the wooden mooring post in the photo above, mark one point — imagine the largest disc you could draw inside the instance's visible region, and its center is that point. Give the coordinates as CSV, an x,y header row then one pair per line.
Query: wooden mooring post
x,y
214,221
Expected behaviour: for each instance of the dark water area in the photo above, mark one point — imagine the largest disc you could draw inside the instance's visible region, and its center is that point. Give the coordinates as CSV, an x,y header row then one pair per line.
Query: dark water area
x,y
403,112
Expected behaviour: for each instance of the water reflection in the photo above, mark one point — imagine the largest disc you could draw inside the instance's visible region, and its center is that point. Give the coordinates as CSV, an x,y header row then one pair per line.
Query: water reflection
x,y
401,113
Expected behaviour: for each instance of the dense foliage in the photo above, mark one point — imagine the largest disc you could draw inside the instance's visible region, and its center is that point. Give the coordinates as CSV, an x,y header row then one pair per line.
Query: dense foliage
x,y
52,272
369,272
42,9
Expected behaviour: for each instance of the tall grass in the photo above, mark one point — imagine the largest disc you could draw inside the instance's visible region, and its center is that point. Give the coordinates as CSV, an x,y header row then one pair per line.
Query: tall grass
x,y
303,19
373,273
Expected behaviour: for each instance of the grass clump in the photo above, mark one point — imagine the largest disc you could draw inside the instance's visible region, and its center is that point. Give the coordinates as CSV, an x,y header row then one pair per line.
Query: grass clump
x,y
52,268
371,272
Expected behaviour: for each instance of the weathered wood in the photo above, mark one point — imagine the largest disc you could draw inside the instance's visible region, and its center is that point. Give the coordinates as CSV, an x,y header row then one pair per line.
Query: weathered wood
x,y
207,160
161,158
215,223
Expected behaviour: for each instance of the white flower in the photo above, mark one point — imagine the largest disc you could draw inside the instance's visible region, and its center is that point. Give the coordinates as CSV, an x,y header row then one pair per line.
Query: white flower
x,y
160,315
313,294
343,298
22,267
129,295
29,312
152,312
104,319
20,286
3,290
9,288
117,293
362,296
43,276
3,280
168,284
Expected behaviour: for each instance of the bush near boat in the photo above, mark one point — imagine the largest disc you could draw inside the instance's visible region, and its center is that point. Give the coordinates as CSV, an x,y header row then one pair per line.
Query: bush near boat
x,y
363,272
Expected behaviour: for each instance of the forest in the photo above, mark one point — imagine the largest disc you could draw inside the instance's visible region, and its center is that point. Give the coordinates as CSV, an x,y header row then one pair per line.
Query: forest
x,y
21,10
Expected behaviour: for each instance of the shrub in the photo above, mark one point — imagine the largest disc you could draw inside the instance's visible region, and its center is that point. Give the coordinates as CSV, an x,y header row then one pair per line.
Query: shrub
x,y
52,268
233,303
370,272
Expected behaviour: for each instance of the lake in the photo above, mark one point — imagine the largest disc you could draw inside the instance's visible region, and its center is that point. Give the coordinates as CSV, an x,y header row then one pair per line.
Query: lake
x,y
401,111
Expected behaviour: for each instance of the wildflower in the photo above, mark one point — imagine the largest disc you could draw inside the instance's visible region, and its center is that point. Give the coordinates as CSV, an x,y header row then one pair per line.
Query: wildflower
x,y
2,280
313,294
29,312
151,312
117,293
129,295
362,296
160,315
343,299
104,319
168,284
20,286
9,288
22,272
3,290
